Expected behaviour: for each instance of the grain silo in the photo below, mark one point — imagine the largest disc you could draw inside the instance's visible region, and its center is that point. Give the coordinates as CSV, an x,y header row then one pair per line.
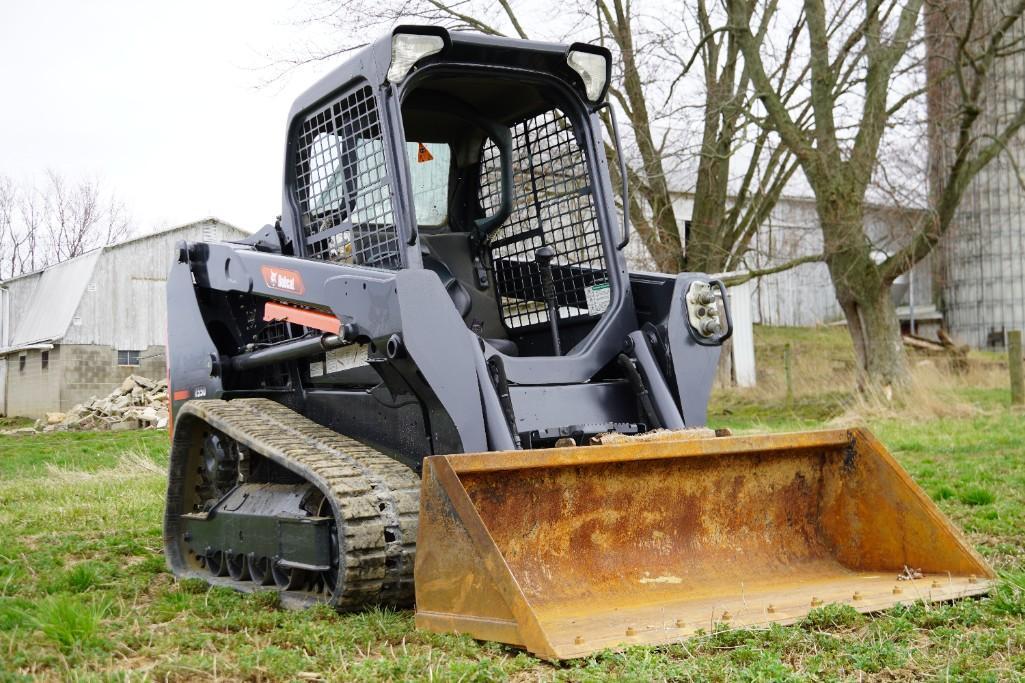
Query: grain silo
x,y
982,276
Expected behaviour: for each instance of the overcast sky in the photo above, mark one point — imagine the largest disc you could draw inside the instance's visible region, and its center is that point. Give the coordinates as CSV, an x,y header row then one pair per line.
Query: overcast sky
x,y
160,100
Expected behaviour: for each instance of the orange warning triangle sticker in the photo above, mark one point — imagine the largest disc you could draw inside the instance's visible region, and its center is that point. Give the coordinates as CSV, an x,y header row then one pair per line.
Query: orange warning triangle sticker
x,y
423,154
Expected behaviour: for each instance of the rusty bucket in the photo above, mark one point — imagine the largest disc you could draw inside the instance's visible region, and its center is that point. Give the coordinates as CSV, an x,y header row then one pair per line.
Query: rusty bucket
x,y
571,550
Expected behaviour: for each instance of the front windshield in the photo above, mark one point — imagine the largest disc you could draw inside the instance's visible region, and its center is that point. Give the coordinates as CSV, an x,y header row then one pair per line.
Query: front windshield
x,y
429,164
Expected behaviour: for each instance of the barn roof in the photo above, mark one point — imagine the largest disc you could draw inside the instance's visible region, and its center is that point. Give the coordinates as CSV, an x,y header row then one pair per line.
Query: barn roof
x,y
54,297
54,301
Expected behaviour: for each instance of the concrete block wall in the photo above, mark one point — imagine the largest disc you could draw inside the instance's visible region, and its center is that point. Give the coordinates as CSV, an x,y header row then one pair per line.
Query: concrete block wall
x,y
33,391
92,370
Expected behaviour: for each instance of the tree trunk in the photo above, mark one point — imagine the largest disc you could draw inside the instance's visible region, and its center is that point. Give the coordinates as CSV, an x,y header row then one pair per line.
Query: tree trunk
x,y
703,252
864,297
875,330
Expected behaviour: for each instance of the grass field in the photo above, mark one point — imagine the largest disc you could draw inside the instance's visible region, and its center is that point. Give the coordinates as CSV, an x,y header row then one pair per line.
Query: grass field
x,y
84,594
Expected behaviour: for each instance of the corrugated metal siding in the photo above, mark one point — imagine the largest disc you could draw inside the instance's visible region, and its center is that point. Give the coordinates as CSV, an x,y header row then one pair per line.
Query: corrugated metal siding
x,y
46,312
20,298
804,295
124,303
800,296
984,287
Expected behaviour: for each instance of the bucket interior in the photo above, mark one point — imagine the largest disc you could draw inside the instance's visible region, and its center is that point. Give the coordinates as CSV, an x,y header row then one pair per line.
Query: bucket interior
x,y
606,548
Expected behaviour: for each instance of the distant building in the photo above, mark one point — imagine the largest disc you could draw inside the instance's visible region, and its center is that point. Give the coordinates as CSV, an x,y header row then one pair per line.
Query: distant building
x,y
804,295
981,269
78,328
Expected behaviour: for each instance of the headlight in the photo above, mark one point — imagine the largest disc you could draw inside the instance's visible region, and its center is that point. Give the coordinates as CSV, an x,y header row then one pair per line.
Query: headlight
x,y
409,48
593,69
703,309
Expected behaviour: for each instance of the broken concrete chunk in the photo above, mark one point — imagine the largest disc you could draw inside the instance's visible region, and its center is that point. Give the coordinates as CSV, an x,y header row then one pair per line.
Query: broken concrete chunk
x,y
137,403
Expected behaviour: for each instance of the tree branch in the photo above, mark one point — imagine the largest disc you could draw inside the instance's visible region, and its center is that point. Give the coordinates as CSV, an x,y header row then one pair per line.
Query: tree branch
x,y
741,278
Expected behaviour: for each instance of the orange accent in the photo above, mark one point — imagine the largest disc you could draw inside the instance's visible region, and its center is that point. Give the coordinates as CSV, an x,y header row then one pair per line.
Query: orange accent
x,y
423,154
283,279
180,395
325,322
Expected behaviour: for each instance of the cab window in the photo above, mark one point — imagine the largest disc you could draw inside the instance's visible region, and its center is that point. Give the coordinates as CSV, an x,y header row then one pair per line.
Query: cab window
x,y
429,164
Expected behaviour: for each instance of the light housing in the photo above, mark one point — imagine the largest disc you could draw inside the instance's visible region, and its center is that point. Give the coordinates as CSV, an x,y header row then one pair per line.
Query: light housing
x,y
594,66
408,46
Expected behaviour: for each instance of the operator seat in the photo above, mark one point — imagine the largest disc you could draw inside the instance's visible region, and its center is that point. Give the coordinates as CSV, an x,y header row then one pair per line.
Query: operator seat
x,y
461,297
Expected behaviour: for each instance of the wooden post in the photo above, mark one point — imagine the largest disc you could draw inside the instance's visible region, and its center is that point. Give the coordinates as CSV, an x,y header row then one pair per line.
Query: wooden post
x,y
1014,360
787,362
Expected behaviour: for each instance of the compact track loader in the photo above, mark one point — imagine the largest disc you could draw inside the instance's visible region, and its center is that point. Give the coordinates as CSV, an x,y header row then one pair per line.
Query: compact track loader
x,y
435,376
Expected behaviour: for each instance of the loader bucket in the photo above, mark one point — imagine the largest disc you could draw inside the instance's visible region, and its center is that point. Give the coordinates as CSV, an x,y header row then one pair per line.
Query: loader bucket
x,y
571,550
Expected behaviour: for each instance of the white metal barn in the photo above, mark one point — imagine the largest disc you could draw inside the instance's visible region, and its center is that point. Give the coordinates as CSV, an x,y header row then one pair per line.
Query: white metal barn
x,y
804,295
78,328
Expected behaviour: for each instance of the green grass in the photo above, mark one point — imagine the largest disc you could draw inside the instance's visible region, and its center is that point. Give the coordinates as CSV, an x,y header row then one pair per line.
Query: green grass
x,y
84,594
76,451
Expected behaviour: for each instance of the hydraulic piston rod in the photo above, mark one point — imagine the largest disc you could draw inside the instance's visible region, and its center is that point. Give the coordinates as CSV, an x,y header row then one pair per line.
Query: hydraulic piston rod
x,y
290,350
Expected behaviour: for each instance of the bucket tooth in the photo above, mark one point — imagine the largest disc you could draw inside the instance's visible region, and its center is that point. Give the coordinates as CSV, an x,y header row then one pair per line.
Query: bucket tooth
x,y
568,551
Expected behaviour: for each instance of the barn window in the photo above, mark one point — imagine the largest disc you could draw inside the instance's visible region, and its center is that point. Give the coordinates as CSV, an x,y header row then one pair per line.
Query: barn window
x,y
21,363
44,360
126,357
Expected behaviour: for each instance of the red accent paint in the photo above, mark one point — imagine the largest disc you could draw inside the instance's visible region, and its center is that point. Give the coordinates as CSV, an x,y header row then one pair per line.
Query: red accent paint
x,y
180,395
325,322
283,279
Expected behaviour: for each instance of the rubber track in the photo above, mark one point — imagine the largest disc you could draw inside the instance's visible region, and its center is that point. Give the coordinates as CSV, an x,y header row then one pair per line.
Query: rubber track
x,y
375,499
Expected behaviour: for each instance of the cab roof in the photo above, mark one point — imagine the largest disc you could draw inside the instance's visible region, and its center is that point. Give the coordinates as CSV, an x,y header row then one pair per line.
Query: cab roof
x,y
371,62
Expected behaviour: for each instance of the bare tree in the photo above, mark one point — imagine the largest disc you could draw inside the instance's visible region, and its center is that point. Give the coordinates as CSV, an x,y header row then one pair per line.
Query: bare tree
x,y
686,124
59,219
860,56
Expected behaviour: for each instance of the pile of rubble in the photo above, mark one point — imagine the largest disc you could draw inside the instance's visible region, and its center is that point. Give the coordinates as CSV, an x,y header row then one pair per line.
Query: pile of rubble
x,y
139,403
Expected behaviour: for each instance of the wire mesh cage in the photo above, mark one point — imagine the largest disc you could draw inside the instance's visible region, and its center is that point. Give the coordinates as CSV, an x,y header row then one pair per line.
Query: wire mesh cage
x,y
341,183
553,205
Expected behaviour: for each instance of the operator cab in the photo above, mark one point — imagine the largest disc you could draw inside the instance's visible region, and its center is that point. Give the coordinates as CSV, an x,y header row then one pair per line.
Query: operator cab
x,y
497,172
497,148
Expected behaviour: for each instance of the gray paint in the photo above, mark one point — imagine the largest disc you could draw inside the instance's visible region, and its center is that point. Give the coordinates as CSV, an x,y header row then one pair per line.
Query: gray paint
x,y
694,365
668,413
445,351
412,303
548,407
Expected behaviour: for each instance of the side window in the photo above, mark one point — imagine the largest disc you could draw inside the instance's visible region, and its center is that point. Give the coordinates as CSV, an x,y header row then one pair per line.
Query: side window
x,y
127,357
429,165
341,184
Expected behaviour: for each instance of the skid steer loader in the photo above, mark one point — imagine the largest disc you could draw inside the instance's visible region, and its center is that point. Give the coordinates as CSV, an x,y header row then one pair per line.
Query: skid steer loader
x,y
435,375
